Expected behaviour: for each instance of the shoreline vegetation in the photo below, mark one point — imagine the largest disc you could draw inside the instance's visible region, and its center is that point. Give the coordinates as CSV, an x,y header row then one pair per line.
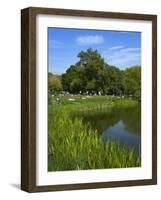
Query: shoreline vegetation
x,y
89,86
73,145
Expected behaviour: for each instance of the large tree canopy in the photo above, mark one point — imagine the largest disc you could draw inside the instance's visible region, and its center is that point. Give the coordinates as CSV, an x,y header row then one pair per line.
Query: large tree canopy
x,y
91,74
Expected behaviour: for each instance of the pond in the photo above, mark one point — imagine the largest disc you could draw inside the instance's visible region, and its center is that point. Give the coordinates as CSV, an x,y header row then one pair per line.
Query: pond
x,y
120,124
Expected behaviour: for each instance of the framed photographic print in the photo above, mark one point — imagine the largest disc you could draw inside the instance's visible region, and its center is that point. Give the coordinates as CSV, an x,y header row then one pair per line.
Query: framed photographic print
x,y
88,99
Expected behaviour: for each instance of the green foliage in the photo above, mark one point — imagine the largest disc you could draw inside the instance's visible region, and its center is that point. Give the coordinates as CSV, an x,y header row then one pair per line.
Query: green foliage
x,y
132,81
71,79
92,74
115,80
54,82
73,145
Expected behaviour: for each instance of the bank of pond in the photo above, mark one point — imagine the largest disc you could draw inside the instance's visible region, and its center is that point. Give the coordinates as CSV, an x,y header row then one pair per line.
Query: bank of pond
x,y
93,133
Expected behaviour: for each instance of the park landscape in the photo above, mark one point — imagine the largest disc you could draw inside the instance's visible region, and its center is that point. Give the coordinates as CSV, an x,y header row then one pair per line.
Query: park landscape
x,y
94,107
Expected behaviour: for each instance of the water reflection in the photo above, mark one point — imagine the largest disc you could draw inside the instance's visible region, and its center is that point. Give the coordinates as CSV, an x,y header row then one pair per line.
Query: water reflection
x,y
122,124
120,134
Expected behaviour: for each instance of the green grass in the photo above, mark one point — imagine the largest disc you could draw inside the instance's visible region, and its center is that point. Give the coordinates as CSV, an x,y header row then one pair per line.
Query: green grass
x,y
73,145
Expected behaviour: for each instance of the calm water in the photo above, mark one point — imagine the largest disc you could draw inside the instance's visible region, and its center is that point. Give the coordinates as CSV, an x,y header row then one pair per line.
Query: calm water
x,y
118,124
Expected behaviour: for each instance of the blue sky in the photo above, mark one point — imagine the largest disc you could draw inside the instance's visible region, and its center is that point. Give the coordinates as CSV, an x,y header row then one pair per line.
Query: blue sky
x,y
118,48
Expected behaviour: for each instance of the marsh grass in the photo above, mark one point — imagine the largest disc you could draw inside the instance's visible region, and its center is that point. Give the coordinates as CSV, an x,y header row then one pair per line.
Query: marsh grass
x,y
73,145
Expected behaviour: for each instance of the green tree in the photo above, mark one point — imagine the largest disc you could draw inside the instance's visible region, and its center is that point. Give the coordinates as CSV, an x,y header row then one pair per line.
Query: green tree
x,y
54,82
72,80
91,73
115,84
86,74
132,81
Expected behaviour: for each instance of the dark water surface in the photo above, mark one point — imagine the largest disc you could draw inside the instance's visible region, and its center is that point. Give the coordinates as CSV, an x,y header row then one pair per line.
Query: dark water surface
x,y
120,124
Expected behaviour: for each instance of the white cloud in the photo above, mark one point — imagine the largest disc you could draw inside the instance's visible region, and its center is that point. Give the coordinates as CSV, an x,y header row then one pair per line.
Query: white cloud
x,y
90,39
123,58
54,44
116,47
128,50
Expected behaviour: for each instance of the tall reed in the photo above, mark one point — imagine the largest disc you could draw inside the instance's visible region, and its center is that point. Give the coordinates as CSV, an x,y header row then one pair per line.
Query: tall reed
x,y
73,145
